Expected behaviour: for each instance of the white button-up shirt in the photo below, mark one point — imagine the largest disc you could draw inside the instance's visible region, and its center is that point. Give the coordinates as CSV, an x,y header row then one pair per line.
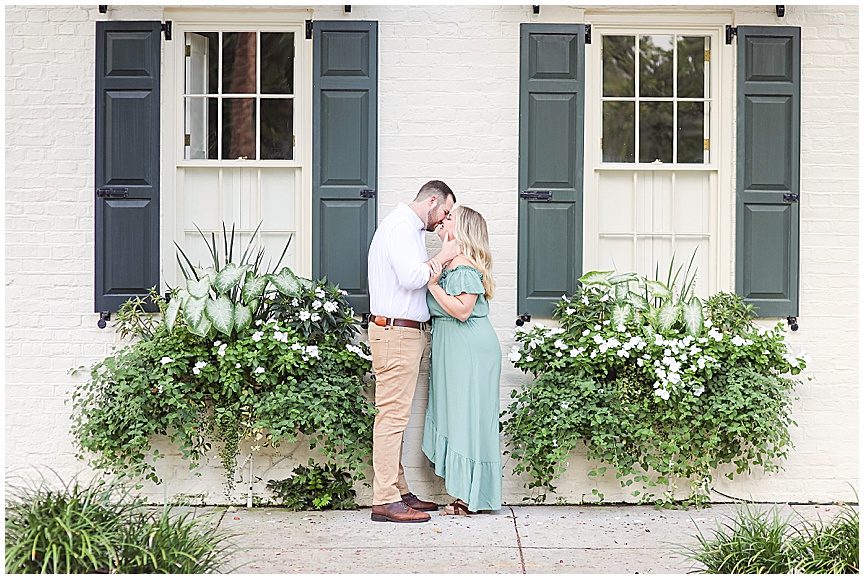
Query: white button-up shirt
x,y
397,270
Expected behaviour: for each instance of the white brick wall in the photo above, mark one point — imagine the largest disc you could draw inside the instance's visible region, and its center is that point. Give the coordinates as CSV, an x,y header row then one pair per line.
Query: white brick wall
x,y
448,109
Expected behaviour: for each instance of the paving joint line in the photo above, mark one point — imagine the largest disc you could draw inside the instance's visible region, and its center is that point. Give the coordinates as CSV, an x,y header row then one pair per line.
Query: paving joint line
x,y
518,541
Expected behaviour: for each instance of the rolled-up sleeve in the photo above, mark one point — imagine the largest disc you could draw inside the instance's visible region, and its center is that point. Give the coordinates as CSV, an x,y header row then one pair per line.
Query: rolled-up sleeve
x,y
407,257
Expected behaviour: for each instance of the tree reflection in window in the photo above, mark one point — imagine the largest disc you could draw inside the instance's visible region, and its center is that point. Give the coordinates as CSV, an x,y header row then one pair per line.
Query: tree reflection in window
x,y
257,114
655,98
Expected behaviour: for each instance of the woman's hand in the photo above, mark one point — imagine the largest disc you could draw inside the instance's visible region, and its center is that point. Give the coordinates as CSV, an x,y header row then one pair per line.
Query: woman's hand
x,y
436,268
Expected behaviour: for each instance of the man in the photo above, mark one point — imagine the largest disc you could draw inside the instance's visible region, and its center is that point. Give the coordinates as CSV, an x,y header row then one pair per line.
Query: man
x,y
398,272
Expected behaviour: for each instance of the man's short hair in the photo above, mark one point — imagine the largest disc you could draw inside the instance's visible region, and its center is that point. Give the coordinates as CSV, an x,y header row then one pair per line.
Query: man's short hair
x,y
437,188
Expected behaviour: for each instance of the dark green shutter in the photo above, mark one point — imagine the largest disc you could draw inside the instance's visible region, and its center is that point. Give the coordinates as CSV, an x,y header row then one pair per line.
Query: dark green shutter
x,y
768,159
345,154
551,125
127,161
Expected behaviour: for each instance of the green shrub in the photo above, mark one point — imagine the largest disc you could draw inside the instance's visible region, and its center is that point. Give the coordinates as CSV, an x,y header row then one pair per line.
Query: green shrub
x,y
755,542
653,387
99,528
236,355
315,488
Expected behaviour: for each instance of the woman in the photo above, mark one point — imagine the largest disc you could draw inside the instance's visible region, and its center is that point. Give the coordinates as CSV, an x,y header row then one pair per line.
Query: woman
x,y
461,431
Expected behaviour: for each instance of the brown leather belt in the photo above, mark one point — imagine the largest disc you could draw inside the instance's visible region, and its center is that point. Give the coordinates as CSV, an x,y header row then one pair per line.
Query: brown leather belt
x,y
384,322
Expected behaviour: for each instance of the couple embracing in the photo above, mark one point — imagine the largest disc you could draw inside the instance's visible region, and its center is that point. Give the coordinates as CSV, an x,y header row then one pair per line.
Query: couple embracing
x,y
407,292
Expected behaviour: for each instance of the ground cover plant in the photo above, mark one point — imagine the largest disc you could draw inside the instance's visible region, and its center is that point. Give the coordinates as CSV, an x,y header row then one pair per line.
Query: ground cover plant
x,y
657,385
237,354
314,488
756,542
100,528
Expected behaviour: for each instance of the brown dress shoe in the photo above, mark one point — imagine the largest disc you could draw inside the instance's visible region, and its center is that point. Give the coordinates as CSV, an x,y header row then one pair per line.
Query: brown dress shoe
x,y
398,512
412,501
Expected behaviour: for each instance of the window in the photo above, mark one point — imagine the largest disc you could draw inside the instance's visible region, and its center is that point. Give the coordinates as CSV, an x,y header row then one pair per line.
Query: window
x,y
239,95
652,178
240,136
655,98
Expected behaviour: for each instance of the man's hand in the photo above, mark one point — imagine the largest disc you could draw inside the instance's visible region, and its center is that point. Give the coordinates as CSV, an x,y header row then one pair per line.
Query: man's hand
x,y
449,250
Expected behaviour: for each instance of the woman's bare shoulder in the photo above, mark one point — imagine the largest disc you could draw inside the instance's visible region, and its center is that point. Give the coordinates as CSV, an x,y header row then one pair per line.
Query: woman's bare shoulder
x,y
461,260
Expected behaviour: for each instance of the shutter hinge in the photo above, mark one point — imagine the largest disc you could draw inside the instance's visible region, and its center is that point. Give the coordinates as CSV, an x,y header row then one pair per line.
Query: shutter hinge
x,y
166,28
707,56
793,323
730,32
112,192
187,140
520,321
587,34
707,144
791,197
536,195
308,30
367,193
188,50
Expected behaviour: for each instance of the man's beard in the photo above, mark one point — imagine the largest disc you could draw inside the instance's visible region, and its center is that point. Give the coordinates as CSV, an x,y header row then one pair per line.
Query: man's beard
x,y
429,225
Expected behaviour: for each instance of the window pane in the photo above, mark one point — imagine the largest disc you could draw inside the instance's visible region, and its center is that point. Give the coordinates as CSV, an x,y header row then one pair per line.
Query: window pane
x,y
277,128
238,128
277,63
691,132
618,132
655,132
655,65
238,62
202,64
691,66
201,125
618,66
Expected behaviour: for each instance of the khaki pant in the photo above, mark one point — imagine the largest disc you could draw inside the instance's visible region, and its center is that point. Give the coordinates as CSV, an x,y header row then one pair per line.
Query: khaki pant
x,y
396,356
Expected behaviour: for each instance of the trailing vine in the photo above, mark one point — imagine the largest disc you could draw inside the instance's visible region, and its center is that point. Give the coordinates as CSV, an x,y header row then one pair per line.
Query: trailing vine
x,y
659,387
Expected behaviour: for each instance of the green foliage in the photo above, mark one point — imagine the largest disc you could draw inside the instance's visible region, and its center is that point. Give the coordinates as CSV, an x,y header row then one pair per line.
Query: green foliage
x,y
268,380
99,528
650,392
763,542
315,488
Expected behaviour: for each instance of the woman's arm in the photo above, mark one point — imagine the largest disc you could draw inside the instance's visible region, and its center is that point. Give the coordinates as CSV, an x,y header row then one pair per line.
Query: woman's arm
x,y
459,306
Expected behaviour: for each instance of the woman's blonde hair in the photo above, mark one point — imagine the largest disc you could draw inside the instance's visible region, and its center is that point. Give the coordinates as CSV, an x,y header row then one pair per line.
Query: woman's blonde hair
x,y
473,239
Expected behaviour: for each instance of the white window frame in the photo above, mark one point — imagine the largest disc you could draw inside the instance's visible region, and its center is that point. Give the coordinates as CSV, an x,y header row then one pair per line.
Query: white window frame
x,y
173,146
721,129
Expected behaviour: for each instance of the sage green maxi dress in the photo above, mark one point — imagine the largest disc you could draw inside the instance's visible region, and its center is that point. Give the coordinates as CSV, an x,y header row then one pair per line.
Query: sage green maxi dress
x,y
460,436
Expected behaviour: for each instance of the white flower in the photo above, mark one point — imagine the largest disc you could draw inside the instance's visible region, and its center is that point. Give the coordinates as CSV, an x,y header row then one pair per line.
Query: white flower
x,y
258,370
514,356
305,316
623,353
330,307
315,317
569,311
529,358
584,300
316,305
708,323
640,362
296,346
237,365
586,332
256,337
343,292
662,393
604,297
739,341
575,352
620,327
258,323
698,391
166,360
200,364
560,344
718,336
221,351
312,351
598,327
319,292
295,302
196,371
219,342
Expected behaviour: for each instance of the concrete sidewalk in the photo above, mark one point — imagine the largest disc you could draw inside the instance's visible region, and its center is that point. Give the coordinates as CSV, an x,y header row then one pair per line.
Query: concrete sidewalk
x,y
518,539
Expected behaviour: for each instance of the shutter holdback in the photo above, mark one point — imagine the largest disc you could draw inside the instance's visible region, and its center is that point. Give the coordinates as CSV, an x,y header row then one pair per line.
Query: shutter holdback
x,y
104,317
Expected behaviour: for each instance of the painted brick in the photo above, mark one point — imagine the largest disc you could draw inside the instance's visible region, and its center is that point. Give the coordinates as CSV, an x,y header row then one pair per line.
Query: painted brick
x,y
448,109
